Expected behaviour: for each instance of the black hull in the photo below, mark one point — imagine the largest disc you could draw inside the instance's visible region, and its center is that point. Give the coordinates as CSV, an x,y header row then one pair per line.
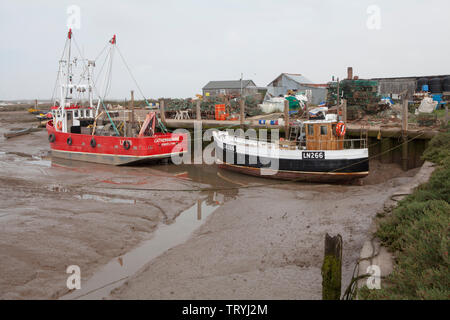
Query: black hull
x,y
332,170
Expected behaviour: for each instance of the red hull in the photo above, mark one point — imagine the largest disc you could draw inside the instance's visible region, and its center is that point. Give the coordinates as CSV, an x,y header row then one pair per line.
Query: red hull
x,y
111,150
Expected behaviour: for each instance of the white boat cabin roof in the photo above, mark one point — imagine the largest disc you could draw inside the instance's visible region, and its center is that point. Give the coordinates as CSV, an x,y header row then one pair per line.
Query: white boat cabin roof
x,y
329,118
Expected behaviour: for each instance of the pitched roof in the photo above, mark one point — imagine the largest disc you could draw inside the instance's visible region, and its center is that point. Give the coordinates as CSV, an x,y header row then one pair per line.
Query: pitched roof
x,y
231,84
296,77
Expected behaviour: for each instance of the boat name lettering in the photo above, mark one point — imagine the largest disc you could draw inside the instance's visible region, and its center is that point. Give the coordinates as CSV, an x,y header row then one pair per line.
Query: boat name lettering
x,y
313,155
121,142
160,140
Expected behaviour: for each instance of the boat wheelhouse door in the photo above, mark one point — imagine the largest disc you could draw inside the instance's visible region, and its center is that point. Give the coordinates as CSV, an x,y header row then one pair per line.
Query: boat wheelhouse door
x,y
322,136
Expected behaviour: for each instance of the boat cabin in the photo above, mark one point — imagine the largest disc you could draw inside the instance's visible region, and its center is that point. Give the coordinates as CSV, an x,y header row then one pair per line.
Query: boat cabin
x,y
321,135
72,118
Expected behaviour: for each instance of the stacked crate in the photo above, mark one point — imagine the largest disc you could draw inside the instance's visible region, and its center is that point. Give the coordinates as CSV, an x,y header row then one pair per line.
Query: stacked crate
x,y
361,94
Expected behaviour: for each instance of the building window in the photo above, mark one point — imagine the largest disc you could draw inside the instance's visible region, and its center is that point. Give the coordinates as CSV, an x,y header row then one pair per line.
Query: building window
x,y
323,130
310,130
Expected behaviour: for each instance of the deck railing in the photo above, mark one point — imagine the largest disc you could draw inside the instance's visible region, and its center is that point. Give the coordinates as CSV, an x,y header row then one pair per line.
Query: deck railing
x,y
342,144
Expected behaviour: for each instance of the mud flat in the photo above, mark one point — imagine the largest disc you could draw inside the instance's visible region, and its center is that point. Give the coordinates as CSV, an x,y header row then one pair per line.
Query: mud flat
x,y
56,214
257,243
267,244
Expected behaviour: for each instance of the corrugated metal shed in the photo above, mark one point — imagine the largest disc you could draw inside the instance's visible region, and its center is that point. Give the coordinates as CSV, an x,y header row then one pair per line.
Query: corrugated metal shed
x,y
297,77
295,81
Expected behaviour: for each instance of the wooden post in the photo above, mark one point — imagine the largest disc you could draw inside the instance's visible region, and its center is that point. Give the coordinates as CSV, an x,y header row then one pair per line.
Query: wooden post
x,y
199,209
344,111
129,125
307,110
338,100
198,112
161,111
227,104
386,156
446,115
242,109
36,104
332,268
405,134
286,119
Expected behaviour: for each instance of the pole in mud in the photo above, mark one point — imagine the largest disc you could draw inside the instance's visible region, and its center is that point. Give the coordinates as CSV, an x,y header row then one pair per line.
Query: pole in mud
x,y
405,133
242,112
162,111
446,115
199,209
286,119
198,112
332,268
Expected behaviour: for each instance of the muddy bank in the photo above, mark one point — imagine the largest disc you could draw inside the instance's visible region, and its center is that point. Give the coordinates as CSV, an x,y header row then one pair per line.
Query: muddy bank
x,y
258,243
56,214
267,244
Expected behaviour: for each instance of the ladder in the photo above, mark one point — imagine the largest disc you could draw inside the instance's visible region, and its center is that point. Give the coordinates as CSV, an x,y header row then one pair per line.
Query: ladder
x,y
364,135
294,132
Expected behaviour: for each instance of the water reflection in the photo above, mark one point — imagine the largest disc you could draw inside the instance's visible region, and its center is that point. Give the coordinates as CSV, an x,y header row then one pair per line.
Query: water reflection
x,y
165,237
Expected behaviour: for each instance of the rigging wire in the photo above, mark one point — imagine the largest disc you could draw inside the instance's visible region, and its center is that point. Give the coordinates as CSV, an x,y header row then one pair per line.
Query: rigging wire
x,y
98,94
59,70
160,123
131,74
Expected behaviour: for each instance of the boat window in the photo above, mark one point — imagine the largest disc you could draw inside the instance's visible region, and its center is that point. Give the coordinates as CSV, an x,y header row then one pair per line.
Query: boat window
x,y
310,130
323,130
75,114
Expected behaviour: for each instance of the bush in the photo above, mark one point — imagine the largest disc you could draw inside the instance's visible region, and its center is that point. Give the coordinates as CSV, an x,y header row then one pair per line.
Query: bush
x,y
438,148
418,232
422,269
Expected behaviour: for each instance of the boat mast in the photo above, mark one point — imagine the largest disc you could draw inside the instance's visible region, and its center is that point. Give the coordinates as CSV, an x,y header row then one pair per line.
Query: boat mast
x,y
90,67
69,76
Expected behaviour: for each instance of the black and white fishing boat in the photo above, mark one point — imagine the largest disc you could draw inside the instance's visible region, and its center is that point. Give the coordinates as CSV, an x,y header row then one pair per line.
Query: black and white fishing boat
x,y
316,151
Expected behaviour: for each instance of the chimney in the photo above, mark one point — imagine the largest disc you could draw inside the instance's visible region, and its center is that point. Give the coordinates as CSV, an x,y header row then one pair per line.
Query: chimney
x,y
350,73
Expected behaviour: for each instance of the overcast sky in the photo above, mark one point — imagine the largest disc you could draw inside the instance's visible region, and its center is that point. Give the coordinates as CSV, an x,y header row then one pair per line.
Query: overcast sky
x,y
175,47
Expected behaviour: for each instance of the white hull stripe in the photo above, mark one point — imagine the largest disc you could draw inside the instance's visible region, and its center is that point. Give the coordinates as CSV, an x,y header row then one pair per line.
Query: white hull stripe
x,y
122,155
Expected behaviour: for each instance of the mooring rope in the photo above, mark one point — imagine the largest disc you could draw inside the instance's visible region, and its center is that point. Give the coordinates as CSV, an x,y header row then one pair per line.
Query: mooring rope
x,y
265,184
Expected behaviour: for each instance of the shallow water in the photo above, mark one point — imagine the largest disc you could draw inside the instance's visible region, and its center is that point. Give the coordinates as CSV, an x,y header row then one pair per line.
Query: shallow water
x,y
116,272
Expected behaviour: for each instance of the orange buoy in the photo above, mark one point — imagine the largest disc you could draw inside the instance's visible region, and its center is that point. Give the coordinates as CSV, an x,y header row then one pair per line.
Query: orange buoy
x,y
341,129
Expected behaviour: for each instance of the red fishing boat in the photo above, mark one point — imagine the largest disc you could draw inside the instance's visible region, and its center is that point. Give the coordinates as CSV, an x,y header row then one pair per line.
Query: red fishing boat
x,y
83,128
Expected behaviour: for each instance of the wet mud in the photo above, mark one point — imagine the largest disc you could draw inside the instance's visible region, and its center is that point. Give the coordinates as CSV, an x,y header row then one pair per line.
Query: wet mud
x,y
236,240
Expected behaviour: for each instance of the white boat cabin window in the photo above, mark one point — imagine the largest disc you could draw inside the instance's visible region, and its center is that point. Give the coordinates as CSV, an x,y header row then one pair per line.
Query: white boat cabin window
x,y
75,113
323,130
